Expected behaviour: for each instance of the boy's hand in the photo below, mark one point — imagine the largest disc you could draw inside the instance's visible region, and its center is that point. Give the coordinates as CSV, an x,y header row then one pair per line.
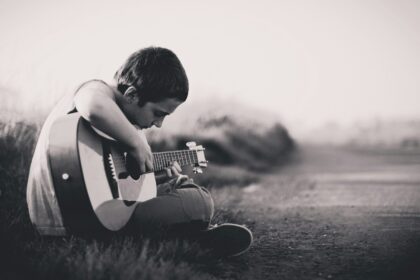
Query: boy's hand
x,y
171,179
171,172
174,170
141,153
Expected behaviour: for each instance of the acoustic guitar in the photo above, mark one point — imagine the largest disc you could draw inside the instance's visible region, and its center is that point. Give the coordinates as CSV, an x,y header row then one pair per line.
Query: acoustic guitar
x,y
94,185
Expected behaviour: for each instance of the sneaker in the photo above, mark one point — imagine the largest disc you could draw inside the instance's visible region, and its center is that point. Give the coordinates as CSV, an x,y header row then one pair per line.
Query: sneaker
x,y
226,240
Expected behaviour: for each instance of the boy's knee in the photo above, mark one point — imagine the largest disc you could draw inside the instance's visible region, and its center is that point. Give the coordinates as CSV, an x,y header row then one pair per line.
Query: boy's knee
x,y
208,200
197,203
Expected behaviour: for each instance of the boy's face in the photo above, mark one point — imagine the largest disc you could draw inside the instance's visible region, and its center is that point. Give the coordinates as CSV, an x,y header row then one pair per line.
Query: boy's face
x,y
151,113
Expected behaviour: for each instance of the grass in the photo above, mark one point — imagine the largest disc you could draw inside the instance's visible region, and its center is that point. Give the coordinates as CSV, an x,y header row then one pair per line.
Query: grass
x,y
24,254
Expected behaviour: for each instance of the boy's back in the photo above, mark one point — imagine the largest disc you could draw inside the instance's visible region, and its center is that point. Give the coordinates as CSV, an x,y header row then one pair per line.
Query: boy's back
x,y
43,208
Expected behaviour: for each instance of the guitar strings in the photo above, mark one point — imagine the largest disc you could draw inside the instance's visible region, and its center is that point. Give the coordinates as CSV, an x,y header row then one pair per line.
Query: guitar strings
x,y
162,160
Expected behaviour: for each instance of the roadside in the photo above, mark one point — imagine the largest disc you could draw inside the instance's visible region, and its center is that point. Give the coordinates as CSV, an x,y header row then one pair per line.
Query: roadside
x,y
336,213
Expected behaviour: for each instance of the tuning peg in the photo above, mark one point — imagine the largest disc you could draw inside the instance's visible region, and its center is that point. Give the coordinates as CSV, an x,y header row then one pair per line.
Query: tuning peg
x,y
191,144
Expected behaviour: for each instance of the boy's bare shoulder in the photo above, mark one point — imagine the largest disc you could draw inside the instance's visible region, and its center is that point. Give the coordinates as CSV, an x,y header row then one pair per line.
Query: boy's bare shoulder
x,y
97,87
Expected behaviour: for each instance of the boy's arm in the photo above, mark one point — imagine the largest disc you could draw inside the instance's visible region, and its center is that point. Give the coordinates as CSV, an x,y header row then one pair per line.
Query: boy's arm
x,y
96,102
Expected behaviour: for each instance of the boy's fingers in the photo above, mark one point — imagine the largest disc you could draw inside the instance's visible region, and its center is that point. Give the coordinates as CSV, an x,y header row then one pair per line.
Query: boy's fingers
x,y
175,171
168,172
177,166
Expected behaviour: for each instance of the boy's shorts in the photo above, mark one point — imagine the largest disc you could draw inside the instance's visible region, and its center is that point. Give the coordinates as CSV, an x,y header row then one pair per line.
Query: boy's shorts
x,y
186,207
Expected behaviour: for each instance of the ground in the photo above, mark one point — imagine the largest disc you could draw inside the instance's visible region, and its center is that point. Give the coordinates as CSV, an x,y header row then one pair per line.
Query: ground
x,y
327,213
334,213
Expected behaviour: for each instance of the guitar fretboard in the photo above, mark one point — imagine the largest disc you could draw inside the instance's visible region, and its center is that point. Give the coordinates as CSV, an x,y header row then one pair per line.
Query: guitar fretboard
x,y
183,157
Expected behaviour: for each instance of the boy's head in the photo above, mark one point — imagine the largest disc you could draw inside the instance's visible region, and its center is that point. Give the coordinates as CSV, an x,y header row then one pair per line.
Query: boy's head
x,y
155,83
155,74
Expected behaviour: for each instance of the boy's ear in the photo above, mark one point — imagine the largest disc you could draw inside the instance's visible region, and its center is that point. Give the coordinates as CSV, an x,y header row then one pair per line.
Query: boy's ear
x,y
131,95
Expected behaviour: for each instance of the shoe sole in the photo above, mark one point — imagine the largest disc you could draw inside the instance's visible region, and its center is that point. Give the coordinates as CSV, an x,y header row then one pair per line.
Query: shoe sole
x,y
227,239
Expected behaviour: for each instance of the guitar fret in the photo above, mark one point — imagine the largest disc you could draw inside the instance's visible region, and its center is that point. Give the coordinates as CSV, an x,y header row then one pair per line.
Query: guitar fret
x,y
189,156
167,160
185,153
174,157
155,163
160,162
162,165
195,156
184,161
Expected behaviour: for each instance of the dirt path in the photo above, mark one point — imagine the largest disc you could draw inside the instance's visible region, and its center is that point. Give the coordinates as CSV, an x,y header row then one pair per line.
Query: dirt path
x,y
336,214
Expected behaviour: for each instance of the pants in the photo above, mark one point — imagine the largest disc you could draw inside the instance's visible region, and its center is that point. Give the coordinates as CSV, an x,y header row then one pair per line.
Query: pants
x,y
186,209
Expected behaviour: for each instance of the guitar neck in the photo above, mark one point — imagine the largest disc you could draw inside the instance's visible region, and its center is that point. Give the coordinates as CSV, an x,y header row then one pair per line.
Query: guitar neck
x,y
183,157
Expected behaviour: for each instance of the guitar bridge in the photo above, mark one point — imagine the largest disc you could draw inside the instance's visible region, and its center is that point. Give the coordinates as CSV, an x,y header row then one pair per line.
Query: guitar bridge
x,y
110,171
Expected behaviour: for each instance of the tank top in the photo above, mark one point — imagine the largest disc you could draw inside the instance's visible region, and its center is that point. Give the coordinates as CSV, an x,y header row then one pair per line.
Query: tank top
x,y
44,210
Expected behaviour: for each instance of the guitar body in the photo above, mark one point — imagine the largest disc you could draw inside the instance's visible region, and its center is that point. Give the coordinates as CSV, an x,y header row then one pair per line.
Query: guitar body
x,y
93,188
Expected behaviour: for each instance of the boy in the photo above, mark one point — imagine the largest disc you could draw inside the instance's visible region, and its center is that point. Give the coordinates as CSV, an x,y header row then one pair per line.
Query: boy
x,y
150,85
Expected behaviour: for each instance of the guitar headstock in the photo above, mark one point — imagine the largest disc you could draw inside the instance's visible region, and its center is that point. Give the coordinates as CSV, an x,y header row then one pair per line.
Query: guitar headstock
x,y
201,159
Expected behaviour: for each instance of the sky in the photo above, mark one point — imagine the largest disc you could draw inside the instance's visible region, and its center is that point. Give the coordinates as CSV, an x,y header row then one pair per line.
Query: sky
x,y
309,62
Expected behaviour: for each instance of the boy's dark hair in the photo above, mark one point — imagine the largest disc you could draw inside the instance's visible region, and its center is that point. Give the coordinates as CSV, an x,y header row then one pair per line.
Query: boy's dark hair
x,y
156,73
